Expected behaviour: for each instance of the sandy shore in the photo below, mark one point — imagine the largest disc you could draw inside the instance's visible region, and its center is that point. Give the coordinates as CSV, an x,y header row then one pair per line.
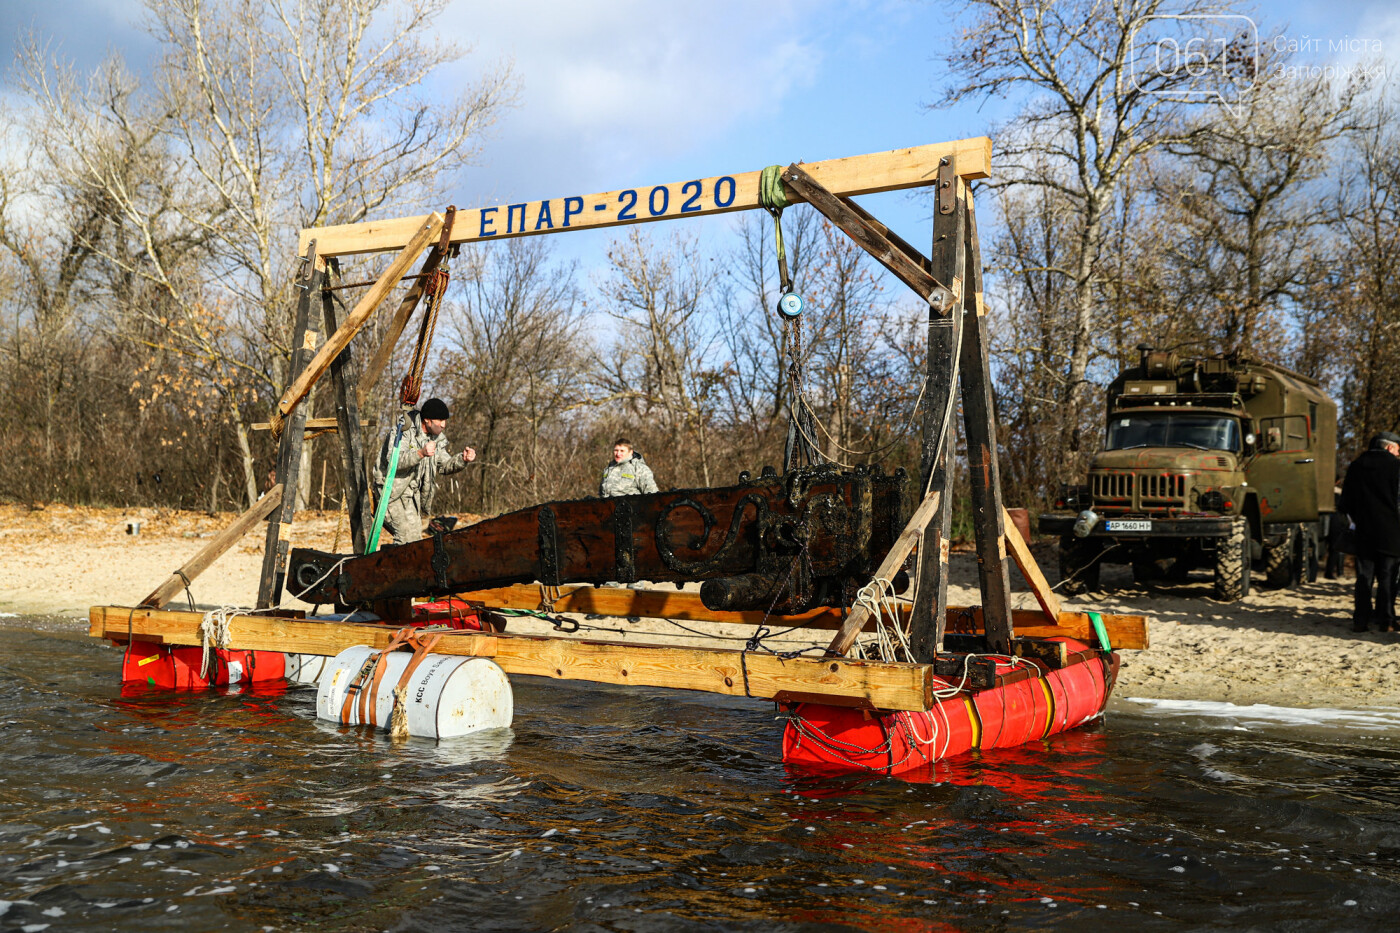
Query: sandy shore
x,y
1288,648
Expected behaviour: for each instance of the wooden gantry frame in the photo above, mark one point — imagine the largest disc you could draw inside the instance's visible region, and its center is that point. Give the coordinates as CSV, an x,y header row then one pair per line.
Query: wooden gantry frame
x,y
949,280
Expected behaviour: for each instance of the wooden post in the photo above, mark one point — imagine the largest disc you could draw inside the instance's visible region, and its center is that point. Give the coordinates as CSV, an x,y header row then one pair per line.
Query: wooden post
x,y
979,420
274,568
214,549
306,378
347,414
935,470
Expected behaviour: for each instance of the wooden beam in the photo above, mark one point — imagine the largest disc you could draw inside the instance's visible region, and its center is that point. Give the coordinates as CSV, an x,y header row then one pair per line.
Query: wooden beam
x,y
652,604
907,264
980,431
936,461
869,684
348,423
320,425
278,543
1128,633
214,549
370,378
903,545
1030,569
1125,631
301,386
863,174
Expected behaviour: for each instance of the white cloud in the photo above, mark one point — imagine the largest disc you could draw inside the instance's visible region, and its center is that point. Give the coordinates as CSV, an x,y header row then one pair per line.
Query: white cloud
x,y
628,83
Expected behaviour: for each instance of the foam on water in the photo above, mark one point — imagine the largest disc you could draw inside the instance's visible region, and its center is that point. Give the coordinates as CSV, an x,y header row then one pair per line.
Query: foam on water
x,y
1381,717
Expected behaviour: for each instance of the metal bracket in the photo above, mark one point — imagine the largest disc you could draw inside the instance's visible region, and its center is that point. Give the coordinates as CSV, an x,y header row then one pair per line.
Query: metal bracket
x,y
441,561
549,548
307,267
624,549
947,186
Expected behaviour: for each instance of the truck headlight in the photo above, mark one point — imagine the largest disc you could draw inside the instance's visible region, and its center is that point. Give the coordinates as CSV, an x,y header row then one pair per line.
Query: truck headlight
x,y
1211,500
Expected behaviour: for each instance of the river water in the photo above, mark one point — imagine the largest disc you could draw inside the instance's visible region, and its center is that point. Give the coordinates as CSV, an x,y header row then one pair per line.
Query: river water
x,y
612,809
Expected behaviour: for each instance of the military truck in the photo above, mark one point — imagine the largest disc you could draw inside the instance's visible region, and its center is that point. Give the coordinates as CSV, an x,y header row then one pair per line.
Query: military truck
x,y
1226,462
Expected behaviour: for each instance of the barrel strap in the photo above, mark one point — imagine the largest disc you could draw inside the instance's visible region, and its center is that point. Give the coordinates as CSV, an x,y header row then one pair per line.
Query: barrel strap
x,y
421,649
369,708
974,720
365,685
369,676
353,688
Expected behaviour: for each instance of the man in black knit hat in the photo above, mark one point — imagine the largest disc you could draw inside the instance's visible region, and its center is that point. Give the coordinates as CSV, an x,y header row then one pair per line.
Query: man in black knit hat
x,y
1371,498
423,456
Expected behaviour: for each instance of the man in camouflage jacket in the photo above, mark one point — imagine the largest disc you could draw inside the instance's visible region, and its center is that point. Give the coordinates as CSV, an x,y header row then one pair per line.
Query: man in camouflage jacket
x,y
423,456
627,474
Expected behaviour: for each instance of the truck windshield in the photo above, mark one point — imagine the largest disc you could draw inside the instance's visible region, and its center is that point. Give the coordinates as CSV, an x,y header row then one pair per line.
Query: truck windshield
x,y
1163,429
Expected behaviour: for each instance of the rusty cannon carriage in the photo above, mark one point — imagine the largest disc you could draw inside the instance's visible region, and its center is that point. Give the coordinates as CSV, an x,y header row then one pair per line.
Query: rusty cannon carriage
x,y
893,678
779,543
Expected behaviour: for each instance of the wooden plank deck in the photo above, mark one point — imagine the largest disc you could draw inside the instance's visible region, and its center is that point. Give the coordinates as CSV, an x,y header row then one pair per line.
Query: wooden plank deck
x,y
838,681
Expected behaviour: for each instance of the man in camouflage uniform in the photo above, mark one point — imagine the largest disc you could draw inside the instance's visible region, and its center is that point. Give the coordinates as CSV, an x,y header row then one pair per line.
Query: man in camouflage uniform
x,y
627,474
423,456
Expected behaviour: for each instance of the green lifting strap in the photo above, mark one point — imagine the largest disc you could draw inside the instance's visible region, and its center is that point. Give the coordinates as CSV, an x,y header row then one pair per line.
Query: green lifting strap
x,y
773,198
771,194
382,510
1100,630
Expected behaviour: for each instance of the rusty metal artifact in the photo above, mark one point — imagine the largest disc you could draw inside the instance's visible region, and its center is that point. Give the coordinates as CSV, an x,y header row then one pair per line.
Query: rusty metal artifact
x,y
778,543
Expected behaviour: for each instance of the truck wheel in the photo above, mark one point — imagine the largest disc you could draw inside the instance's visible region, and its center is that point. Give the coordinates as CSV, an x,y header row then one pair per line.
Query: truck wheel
x,y
1232,563
1279,565
1079,565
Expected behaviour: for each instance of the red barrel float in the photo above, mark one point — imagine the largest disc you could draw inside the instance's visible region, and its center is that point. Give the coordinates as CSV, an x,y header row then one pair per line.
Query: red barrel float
x,y
179,667
837,738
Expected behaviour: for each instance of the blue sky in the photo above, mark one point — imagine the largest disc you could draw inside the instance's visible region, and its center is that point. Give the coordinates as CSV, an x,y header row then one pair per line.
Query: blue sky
x,y
631,92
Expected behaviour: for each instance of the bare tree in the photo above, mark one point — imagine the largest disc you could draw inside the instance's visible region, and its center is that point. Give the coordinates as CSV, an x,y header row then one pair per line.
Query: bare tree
x,y
748,293
267,117
1362,295
516,366
661,366
1244,189
1089,117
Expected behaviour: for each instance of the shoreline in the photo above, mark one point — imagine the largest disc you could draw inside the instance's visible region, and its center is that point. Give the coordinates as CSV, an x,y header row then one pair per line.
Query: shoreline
x,y
1291,648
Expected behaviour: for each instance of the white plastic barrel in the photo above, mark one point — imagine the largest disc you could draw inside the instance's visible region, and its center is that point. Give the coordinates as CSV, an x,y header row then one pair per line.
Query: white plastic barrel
x,y
447,696
306,668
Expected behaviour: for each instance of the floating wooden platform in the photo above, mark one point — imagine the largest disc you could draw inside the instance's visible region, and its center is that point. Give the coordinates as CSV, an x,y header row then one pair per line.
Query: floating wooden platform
x,y
835,681
759,674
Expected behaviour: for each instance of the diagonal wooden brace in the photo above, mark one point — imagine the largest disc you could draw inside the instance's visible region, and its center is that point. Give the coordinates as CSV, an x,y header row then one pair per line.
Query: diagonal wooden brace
x,y
214,549
910,536
407,306
301,386
908,265
1021,553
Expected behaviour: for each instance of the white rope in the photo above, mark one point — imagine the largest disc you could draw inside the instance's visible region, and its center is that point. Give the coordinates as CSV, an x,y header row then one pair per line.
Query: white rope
x,y
214,633
214,627
884,604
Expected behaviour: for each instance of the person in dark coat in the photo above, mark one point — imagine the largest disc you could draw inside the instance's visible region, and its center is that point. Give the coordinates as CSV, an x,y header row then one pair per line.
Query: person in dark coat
x,y
1371,498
